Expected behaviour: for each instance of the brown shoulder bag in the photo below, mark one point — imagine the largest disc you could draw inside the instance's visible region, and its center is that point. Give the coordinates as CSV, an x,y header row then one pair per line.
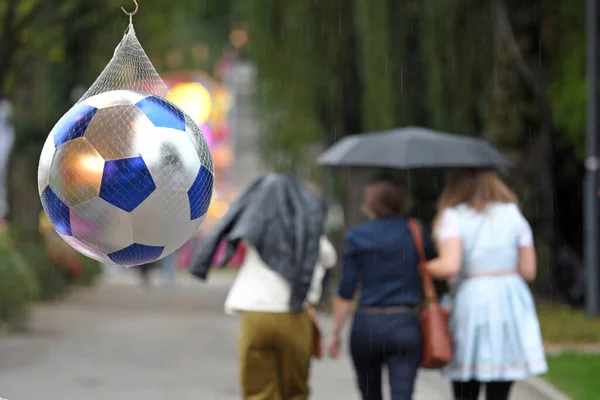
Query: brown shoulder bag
x,y
437,345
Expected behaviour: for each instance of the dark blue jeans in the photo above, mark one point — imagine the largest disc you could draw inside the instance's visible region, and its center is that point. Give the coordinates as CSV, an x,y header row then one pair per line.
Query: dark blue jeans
x,y
393,340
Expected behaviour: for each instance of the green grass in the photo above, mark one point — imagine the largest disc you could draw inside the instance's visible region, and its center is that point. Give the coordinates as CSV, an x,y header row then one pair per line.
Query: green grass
x,y
575,375
561,324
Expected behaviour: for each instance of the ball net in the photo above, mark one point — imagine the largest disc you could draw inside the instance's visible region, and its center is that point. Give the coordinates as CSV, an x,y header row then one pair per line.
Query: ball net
x,y
129,69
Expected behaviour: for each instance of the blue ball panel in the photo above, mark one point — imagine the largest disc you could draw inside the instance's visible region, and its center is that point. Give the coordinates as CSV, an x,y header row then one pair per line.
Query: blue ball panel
x,y
200,193
162,113
136,254
126,183
73,124
57,211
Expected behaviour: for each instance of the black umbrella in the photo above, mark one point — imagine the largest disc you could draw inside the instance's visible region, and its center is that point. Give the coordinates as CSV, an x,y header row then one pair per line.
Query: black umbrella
x,y
412,148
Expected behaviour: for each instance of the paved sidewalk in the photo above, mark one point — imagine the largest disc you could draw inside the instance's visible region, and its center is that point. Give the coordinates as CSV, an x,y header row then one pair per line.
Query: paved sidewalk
x,y
121,342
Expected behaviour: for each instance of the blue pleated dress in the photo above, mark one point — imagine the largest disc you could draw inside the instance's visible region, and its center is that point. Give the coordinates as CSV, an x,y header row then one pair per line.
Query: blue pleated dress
x,y
494,325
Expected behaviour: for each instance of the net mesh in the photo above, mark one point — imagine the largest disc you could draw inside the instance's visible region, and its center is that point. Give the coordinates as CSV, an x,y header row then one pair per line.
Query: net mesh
x,y
125,176
129,69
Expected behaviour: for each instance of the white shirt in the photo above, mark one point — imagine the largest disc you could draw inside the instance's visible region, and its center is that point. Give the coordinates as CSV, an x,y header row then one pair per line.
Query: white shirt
x,y
258,288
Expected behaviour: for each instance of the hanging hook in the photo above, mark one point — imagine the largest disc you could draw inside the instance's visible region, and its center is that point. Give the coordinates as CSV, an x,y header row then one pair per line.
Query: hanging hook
x,y
131,14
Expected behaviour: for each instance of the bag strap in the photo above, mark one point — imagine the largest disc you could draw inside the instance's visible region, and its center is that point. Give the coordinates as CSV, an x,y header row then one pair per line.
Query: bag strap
x,y
426,279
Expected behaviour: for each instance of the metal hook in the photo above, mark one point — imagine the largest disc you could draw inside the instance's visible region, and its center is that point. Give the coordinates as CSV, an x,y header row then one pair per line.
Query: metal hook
x,y
131,14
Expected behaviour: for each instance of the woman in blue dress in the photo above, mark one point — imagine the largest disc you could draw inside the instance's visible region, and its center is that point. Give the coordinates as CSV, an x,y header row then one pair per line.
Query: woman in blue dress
x,y
486,248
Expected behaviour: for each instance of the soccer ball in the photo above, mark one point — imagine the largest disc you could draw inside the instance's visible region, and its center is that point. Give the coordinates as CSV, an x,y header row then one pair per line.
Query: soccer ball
x,y
125,177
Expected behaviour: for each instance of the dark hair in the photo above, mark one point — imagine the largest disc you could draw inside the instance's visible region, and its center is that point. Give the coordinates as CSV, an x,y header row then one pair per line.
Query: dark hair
x,y
385,197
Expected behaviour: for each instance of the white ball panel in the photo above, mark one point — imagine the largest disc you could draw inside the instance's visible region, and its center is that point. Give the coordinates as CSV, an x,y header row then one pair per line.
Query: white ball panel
x,y
160,218
119,131
102,226
199,141
45,162
188,232
171,159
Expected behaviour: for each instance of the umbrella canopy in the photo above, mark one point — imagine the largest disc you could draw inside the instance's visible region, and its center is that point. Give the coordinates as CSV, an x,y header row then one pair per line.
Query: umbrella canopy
x,y
412,148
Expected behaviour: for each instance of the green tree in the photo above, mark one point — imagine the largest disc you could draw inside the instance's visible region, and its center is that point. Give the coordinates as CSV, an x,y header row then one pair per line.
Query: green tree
x,y
16,17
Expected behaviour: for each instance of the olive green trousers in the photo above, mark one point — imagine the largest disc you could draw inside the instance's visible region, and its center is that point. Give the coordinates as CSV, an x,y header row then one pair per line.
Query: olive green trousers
x,y
275,351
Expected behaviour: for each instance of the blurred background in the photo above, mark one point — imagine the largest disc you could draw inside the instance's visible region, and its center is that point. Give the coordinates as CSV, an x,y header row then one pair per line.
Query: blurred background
x,y
273,83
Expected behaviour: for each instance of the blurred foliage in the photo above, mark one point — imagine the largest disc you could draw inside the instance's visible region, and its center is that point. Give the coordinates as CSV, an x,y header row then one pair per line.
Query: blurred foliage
x,y
31,272
506,70
561,324
58,270
564,29
374,49
52,277
328,69
18,287
458,57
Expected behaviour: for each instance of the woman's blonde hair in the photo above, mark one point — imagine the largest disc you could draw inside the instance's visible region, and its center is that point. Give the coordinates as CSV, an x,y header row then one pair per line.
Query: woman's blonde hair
x,y
475,187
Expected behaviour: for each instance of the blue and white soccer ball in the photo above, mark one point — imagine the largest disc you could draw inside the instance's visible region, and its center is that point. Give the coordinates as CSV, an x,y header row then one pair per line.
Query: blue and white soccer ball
x,y
126,177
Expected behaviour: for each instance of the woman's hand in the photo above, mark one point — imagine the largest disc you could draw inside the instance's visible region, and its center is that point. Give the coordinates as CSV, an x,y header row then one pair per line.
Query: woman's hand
x,y
334,346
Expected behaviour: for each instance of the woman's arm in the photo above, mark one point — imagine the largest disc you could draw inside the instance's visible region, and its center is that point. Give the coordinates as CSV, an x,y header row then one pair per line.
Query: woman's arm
x,y
527,263
527,259
343,302
447,265
341,309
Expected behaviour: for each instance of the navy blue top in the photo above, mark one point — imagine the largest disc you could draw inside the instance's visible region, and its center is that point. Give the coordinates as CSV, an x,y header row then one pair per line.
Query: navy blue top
x,y
380,256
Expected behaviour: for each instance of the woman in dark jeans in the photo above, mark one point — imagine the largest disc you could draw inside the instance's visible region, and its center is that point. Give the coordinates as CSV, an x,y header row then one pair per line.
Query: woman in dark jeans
x,y
380,256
